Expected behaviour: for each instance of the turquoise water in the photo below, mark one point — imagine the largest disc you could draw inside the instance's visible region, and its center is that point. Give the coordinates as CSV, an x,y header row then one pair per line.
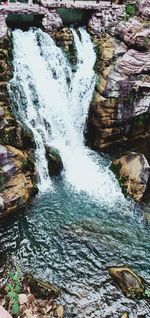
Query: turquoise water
x,y
70,240
81,224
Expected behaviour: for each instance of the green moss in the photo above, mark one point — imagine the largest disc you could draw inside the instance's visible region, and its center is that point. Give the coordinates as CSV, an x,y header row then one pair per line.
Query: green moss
x,y
130,10
140,120
129,99
28,164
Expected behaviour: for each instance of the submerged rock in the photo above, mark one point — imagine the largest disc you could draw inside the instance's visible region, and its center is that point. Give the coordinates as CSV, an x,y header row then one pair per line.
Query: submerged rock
x,y
130,283
55,164
40,289
125,315
133,173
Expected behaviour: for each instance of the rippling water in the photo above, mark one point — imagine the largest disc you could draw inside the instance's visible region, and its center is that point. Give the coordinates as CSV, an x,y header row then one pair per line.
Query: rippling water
x,y
70,240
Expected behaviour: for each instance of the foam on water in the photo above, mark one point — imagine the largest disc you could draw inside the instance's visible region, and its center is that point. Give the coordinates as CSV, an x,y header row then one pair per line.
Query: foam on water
x,y
53,101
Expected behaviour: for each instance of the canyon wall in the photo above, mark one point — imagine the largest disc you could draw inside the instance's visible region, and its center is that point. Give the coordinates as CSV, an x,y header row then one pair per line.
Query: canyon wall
x,y
119,115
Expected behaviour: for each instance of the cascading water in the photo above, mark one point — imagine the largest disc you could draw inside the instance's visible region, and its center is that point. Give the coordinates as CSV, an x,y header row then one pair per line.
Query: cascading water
x,y
66,237
53,102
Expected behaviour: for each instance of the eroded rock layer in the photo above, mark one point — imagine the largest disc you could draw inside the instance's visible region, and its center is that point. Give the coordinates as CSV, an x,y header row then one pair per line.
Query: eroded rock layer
x,y
119,112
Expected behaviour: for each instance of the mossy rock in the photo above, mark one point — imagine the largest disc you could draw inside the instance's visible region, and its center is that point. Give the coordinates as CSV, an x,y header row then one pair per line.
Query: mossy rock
x,y
27,137
131,284
55,164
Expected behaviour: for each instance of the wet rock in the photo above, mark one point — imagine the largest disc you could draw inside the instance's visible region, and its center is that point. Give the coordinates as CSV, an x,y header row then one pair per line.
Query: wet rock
x,y
40,289
133,173
130,283
64,38
17,193
27,137
125,315
55,164
58,311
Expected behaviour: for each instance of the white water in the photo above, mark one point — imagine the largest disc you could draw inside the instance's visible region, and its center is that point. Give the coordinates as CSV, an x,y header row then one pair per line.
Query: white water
x,y
55,109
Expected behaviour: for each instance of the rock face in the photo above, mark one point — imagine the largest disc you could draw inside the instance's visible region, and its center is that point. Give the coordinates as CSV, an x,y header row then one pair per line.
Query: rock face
x,y
16,185
106,17
133,172
131,284
119,114
63,38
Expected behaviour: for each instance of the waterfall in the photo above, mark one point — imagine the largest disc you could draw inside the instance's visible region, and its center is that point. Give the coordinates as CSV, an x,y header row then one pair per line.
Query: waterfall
x,y
53,102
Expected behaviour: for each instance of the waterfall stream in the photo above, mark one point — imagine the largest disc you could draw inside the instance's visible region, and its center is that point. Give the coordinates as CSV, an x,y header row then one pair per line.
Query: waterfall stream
x,y
80,223
53,102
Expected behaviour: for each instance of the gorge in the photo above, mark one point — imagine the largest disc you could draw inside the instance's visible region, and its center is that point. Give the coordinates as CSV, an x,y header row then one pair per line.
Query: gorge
x,y
59,99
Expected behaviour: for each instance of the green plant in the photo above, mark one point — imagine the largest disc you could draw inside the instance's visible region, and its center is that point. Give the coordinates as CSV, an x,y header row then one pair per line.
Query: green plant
x,y
129,99
140,120
147,292
130,10
13,289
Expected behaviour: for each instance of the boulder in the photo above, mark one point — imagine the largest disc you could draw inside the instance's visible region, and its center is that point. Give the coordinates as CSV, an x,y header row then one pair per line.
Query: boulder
x,y
18,191
130,283
125,315
55,164
132,171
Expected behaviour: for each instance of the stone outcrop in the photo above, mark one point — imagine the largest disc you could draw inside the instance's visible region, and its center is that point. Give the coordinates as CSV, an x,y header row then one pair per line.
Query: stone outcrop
x,y
133,173
106,17
131,284
119,114
16,185
63,38
134,33
134,63
144,8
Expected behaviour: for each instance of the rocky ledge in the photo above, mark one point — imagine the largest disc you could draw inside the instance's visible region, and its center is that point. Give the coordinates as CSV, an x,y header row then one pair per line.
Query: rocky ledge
x,y
16,176
119,115
133,172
